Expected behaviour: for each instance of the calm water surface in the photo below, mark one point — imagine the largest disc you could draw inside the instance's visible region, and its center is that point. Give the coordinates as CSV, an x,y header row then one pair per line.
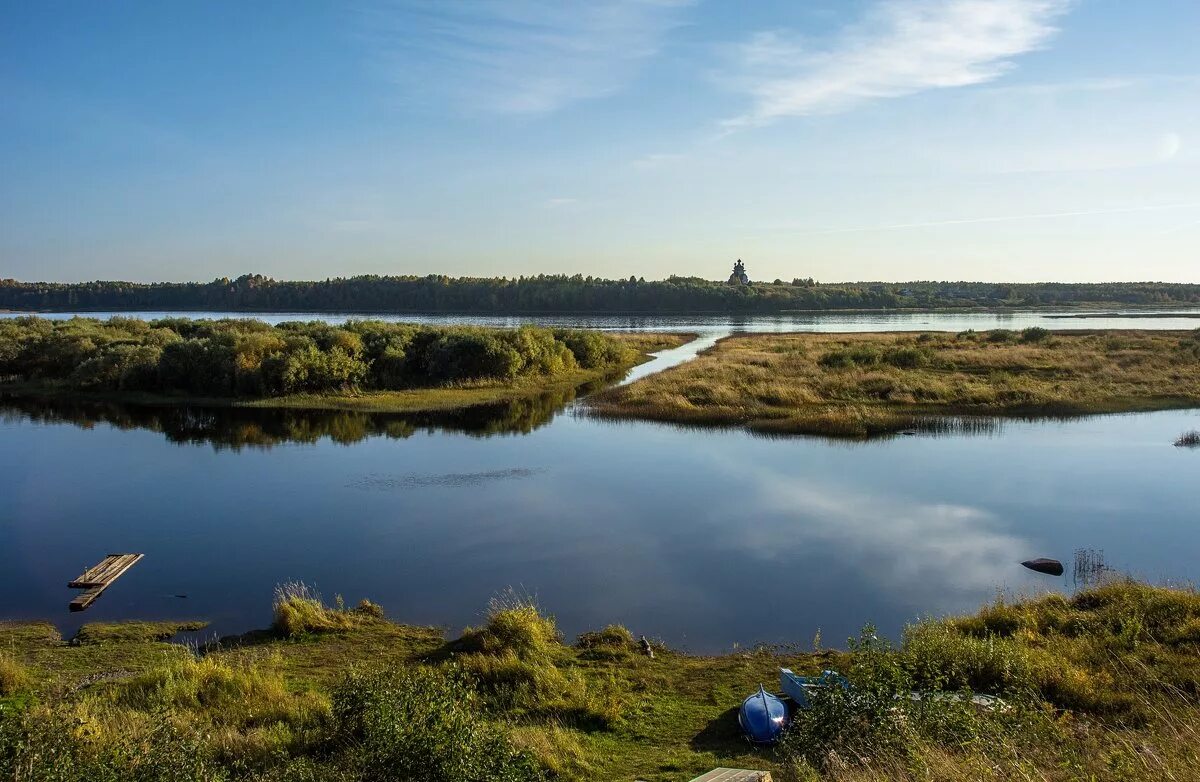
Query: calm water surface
x,y
705,538
722,324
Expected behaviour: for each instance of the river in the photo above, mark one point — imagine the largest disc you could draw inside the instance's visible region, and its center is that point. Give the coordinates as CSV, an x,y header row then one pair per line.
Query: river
x,y
705,538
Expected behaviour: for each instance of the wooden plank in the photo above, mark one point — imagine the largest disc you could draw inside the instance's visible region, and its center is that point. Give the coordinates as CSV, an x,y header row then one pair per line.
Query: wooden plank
x,y
112,567
85,599
89,577
734,775
99,578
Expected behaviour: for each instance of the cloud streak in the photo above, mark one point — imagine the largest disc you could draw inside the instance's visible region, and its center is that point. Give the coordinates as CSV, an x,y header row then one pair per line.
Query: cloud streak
x,y
521,56
900,47
1001,219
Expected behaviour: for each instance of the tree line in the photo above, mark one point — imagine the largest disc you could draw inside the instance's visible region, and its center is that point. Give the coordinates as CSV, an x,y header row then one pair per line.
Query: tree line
x,y
248,358
560,293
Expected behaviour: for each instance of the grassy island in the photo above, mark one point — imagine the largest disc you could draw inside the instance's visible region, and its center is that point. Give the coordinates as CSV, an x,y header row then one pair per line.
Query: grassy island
x,y
369,366
1101,685
860,384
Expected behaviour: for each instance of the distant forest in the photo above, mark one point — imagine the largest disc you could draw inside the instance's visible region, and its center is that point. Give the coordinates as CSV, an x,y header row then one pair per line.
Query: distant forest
x,y
575,294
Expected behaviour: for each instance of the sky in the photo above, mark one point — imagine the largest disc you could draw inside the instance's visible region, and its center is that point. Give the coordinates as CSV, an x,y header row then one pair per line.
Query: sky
x,y
1005,140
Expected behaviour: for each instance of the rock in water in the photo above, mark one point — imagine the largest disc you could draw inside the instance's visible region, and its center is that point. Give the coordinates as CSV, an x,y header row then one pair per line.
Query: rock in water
x,y
1051,567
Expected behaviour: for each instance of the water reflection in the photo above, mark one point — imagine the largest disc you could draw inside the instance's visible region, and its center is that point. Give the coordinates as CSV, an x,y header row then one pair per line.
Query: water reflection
x,y
235,428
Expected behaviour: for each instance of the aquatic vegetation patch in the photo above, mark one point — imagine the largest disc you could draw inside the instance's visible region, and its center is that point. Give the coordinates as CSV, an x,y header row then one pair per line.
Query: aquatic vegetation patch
x,y
858,385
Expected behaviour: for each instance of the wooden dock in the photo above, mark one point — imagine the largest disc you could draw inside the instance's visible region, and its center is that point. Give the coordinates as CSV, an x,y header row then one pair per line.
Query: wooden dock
x,y
99,578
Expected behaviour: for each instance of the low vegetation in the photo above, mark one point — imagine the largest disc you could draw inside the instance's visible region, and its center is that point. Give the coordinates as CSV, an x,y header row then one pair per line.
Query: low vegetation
x,y
861,384
1100,685
123,632
1189,439
366,365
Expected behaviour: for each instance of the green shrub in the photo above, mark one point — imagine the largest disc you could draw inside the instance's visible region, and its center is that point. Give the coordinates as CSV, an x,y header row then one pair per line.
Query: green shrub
x,y
1034,334
250,358
422,725
908,358
844,358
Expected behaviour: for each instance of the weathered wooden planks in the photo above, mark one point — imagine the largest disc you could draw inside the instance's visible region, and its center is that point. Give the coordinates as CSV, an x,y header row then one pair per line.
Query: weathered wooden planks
x,y
734,775
100,577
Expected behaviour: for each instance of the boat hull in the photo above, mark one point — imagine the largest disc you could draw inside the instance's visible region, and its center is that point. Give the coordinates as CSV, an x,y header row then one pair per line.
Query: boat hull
x,y
762,717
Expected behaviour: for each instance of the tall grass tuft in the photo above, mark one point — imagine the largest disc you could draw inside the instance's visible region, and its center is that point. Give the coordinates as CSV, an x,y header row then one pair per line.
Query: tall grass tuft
x,y
299,610
13,676
516,625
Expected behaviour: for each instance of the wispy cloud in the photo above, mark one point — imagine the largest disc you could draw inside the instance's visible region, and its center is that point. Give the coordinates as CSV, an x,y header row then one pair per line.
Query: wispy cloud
x,y
657,159
1002,219
520,56
898,48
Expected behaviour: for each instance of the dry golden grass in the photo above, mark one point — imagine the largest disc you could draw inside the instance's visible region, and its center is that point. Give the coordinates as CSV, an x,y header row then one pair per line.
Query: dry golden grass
x,y
861,384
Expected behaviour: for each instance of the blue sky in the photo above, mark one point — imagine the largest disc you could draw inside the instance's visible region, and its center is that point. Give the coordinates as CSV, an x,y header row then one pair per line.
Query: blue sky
x,y
873,139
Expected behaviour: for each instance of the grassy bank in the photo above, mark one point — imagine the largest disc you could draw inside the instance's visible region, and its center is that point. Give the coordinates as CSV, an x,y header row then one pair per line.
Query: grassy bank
x,y
1101,685
367,366
861,384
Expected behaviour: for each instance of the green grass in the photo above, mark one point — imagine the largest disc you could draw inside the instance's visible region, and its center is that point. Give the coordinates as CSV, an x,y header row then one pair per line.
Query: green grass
x,y
855,385
1101,685
123,632
13,676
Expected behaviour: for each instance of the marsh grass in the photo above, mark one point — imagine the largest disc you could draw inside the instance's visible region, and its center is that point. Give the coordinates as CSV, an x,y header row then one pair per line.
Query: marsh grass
x,y
1189,439
856,385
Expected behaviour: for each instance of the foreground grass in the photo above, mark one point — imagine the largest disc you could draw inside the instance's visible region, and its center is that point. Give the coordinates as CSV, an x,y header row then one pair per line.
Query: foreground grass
x,y
442,398
1102,685
861,384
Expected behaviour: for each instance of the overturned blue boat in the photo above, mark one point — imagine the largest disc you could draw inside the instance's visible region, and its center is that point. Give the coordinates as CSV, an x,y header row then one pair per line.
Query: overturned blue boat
x,y
799,688
762,717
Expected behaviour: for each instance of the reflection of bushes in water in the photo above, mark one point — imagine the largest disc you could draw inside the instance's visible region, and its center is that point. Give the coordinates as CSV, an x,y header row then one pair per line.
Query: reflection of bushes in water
x,y
237,428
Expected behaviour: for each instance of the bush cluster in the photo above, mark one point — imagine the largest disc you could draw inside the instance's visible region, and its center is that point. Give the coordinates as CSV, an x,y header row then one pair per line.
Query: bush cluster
x,y
424,725
228,358
872,356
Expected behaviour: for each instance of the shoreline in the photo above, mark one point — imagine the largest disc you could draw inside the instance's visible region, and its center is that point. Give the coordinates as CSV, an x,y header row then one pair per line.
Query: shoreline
x,y
598,707
1100,310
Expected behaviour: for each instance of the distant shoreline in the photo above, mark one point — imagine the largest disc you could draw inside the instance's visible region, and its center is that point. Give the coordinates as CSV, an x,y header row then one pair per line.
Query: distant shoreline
x,y
1087,310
